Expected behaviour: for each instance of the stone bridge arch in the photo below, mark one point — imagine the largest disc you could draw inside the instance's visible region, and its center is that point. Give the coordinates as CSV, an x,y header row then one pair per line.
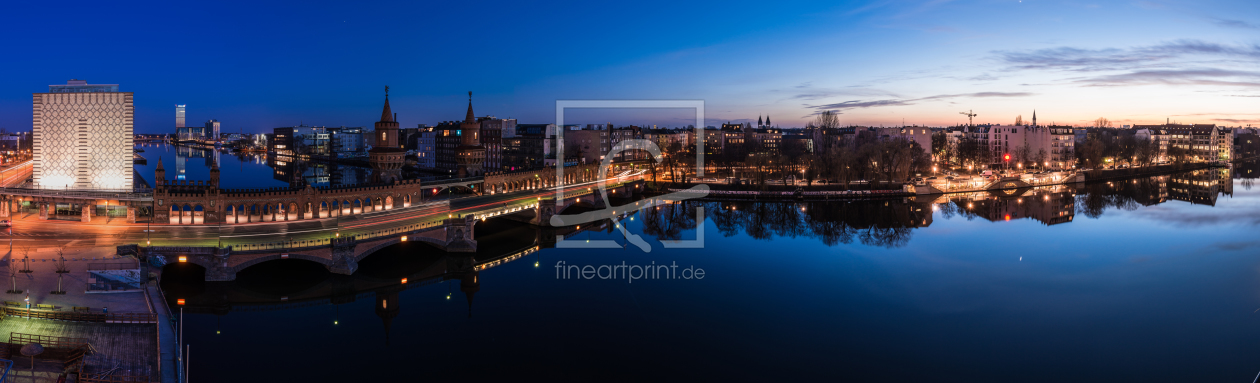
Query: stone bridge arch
x,y
276,257
1008,183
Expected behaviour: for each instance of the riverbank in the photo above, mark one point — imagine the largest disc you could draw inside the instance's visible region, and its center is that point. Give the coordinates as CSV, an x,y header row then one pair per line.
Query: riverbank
x,y
724,192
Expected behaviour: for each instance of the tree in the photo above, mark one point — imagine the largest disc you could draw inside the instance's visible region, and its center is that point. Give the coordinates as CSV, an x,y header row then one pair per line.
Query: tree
x,y
842,164
1022,154
672,158
811,170
972,153
827,119
757,165
1102,122
1019,120
1144,151
940,145
1092,153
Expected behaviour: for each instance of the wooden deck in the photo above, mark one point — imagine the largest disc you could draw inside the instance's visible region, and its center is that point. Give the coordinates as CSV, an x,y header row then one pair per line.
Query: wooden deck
x,y
132,348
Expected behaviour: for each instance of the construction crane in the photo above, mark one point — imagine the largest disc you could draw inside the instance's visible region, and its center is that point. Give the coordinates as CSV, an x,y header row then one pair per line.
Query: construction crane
x,y
969,115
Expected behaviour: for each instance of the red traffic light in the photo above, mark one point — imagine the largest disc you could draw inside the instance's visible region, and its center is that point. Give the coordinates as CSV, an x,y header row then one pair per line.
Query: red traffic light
x,y
1007,157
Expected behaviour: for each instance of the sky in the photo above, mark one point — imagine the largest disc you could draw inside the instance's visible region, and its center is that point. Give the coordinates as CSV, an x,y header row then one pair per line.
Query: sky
x,y
258,65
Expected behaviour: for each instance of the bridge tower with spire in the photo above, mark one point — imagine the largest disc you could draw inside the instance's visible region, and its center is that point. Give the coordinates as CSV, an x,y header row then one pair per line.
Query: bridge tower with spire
x,y
387,156
470,155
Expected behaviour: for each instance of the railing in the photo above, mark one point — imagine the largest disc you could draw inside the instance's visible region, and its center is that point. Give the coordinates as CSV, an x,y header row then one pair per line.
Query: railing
x,y
47,340
80,316
130,195
398,230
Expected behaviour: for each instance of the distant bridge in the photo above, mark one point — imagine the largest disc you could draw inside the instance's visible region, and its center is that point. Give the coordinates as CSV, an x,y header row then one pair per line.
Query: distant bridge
x,y
342,254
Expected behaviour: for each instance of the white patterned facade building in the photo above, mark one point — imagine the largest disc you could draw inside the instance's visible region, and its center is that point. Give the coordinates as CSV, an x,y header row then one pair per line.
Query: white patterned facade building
x,y
83,137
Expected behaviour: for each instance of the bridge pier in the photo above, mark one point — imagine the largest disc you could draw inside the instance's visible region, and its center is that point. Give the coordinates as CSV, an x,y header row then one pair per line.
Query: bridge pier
x,y
543,212
459,234
217,269
43,211
343,261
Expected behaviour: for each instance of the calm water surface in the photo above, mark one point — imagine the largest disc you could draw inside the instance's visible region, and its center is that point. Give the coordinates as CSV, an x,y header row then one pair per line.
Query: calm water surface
x,y
244,170
1155,279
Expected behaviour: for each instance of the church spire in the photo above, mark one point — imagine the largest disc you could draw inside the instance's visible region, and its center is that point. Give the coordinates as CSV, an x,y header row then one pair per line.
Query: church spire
x,y
759,124
767,120
1034,117
386,114
469,117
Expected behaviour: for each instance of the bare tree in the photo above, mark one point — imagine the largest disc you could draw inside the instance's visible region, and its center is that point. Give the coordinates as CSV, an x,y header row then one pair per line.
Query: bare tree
x,y
62,269
1019,120
26,259
13,272
827,119
1102,122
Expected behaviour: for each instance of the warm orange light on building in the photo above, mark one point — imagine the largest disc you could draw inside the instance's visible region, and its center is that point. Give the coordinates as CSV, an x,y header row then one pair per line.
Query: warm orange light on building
x,y
404,281
183,259
404,238
180,301
1008,217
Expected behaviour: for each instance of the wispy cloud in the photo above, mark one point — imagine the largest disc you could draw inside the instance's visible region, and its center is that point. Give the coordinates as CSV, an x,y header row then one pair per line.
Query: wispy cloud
x,y
1233,120
1213,77
860,104
807,91
1089,60
1235,24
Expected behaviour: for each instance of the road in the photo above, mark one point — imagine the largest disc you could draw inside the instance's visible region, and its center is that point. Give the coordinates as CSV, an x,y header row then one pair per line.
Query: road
x,y
50,233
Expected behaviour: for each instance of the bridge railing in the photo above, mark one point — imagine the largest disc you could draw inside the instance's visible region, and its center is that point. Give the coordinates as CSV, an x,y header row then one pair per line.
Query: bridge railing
x,y
283,245
136,195
324,242
398,230
490,213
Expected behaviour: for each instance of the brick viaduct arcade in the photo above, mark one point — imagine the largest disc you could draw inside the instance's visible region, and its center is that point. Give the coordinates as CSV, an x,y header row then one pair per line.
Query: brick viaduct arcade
x,y
202,203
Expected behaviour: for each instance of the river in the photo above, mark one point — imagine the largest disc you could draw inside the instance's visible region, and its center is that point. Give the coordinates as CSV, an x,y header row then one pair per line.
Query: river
x,y
1148,279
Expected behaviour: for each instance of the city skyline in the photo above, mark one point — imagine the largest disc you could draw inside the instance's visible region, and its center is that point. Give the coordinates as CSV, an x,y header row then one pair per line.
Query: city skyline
x,y
919,62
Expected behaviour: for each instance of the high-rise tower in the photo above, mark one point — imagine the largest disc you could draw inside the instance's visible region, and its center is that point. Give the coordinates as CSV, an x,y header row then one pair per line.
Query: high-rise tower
x,y
386,157
470,155
82,137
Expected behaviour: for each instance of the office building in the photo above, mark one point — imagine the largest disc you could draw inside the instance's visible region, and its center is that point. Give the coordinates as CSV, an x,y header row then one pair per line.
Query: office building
x,y
212,130
179,116
82,137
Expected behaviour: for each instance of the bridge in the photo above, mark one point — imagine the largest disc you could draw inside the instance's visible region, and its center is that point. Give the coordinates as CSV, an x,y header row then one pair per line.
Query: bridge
x,y
435,224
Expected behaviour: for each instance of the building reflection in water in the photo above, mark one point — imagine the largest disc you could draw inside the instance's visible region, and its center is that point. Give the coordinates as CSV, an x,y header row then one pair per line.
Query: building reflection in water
x,y
1049,205
886,223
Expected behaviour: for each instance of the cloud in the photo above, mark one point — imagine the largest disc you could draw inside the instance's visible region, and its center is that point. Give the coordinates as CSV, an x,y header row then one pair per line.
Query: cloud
x,y
1235,246
1091,60
859,104
1235,24
806,91
983,77
1206,76
1233,120
862,104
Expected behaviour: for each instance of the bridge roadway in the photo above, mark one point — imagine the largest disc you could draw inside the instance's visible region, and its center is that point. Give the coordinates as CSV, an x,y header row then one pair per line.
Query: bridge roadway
x,y
37,234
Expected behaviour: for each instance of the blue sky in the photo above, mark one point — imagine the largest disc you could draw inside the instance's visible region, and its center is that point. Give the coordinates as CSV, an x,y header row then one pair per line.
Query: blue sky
x,y
259,65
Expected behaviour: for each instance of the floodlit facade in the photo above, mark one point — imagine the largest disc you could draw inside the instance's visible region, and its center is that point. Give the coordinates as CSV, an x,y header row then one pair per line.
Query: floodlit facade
x,y
83,137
